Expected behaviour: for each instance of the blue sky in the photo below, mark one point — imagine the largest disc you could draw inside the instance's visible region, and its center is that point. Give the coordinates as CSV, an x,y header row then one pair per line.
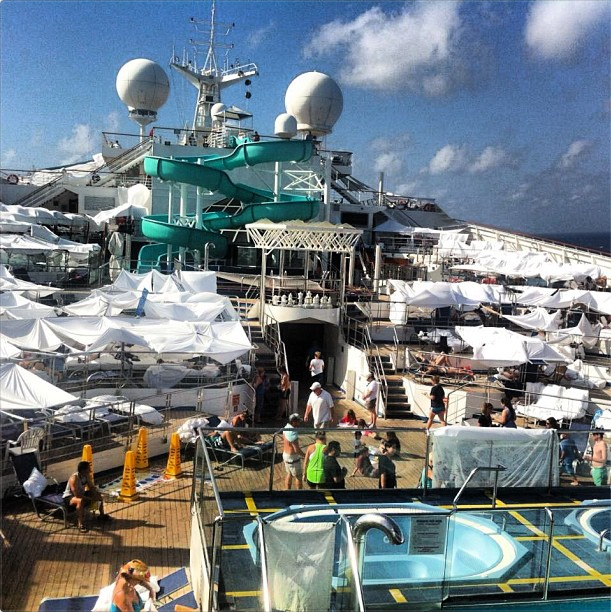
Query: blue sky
x,y
499,110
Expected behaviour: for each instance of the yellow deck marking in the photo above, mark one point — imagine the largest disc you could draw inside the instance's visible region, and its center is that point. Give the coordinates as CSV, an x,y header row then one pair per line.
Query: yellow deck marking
x,y
397,595
243,593
235,547
505,588
537,538
564,550
559,579
250,503
330,499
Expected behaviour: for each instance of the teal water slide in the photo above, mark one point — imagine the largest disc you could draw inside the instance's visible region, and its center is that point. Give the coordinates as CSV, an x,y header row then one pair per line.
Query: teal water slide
x,y
210,172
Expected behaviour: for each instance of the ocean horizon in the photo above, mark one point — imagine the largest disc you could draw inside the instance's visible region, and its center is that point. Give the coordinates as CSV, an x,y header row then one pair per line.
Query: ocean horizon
x,y
599,241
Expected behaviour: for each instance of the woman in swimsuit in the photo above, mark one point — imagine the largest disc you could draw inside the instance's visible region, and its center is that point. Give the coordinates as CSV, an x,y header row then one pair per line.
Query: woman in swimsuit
x,y
125,597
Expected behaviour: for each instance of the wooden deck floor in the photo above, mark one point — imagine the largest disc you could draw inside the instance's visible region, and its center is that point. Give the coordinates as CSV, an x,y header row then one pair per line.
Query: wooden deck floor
x,y
43,559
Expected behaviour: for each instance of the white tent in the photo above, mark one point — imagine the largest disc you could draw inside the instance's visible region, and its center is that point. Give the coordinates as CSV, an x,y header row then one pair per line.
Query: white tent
x,y
9,283
21,389
529,456
494,346
539,318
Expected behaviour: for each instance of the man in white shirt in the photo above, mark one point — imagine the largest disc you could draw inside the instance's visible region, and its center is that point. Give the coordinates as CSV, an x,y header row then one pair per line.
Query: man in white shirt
x,y
371,398
320,405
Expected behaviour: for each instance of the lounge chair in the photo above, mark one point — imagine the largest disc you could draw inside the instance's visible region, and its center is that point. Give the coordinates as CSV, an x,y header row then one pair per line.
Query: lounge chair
x,y
169,584
223,456
45,494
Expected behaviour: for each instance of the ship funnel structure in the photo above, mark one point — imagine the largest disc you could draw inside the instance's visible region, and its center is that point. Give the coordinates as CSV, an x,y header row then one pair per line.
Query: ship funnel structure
x,y
143,87
316,101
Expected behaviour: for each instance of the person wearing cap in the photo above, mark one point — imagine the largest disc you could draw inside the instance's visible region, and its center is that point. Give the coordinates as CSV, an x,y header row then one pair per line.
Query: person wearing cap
x,y
125,597
598,459
292,453
320,406
371,397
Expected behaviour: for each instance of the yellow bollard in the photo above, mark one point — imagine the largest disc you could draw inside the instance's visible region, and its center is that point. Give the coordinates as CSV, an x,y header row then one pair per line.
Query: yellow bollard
x,y
88,457
128,484
173,468
142,450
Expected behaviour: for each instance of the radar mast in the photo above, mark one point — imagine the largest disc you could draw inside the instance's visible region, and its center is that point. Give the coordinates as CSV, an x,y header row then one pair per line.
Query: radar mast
x,y
210,80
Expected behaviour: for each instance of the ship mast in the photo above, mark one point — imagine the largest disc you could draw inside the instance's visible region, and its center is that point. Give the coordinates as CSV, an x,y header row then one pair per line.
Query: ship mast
x,y
210,80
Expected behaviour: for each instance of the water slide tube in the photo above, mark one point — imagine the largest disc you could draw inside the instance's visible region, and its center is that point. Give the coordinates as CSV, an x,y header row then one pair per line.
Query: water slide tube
x,y
210,173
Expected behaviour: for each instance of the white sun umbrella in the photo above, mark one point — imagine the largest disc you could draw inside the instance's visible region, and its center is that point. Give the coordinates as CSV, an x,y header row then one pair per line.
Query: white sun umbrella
x,y
20,389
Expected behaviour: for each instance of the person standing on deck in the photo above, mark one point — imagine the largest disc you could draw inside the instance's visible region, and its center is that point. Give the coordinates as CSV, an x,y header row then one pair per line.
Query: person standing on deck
x,y
334,474
260,384
292,453
285,393
317,367
371,398
568,454
387,471
438,403
598,459
314,461
320,405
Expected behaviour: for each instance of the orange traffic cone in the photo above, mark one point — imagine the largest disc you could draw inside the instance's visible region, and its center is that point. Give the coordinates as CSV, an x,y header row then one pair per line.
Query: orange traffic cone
x,y
173,468
128,484
142,451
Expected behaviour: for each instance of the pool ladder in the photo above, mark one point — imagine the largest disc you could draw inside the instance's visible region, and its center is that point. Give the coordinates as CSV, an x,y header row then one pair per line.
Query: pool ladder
x,y
475,470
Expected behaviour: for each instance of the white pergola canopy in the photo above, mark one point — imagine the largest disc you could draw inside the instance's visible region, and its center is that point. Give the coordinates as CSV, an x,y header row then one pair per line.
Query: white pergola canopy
x,y
301,236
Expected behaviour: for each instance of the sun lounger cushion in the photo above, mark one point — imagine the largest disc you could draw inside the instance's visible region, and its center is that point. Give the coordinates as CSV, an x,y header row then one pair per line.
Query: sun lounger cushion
x,y
35,484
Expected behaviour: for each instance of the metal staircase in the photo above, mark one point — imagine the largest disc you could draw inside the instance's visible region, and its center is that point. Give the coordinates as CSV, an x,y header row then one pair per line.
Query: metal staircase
x,y
96,178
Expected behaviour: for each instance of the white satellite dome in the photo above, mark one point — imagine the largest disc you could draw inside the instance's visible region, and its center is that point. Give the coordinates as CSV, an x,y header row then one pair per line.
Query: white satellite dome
x,y
316,101
218,109
143,85
285,126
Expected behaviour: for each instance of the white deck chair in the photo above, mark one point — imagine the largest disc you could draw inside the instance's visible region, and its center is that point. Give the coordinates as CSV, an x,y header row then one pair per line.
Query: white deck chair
x,y
29,441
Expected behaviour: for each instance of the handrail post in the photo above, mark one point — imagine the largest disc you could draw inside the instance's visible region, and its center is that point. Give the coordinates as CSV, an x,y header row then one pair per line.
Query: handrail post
x,y
267,601
548,562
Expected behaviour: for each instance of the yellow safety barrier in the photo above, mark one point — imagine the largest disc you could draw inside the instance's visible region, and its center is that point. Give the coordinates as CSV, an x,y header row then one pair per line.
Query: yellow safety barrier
x,y
88,457
128,484
142,450
173,468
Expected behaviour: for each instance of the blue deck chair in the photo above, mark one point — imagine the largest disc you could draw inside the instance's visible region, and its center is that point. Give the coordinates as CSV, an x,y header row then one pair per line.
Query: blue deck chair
x,y
50,500
68,604
188,600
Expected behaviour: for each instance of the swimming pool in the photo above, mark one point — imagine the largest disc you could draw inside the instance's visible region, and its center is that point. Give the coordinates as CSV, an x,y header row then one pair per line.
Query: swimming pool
x,y
437,545
591,519
477,549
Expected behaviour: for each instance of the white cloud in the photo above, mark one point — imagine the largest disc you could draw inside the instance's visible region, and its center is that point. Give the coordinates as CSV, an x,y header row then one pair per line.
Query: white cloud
x,y
258,36
489,158
8,156
451,158
577,149
112,122
78,145
390,163
556,30
416,47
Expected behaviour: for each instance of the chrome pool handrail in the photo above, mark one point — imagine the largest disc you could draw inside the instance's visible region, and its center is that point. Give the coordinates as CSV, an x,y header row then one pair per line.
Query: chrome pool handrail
x,y
475,470
548,562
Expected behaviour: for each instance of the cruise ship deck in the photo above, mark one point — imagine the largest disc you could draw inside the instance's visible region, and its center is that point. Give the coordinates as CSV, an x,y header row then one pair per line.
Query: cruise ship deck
x,y
45,560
